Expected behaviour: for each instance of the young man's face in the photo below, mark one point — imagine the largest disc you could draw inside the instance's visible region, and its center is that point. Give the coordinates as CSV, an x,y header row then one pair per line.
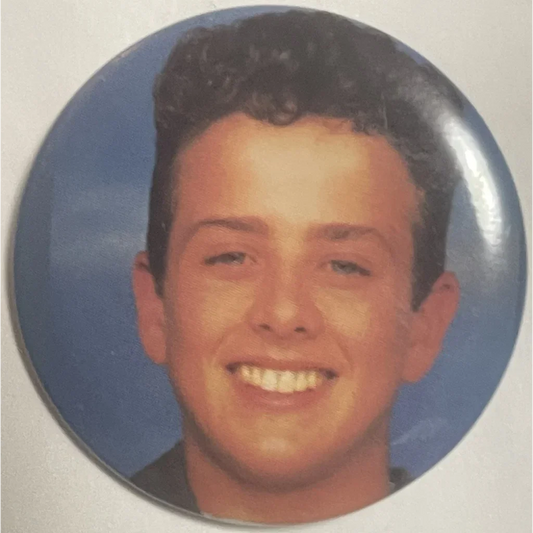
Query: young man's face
x,y
286,320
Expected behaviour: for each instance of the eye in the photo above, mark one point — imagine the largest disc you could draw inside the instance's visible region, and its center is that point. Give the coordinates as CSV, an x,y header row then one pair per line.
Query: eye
x,y
348,268
229,258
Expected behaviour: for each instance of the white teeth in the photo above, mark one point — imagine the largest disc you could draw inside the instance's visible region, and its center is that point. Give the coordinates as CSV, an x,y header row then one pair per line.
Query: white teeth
x,y
301,381
256,376
285,381
246,372
270,380
312,380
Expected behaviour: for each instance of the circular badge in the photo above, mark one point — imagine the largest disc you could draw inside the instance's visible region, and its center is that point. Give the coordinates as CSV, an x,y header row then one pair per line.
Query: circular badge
x,y
269,265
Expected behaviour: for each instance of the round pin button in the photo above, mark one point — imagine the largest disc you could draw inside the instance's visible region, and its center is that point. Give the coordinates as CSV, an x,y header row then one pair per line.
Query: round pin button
x,y
269,265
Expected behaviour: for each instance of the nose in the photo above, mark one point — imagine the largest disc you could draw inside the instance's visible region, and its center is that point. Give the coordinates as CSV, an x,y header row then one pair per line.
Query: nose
x,y
284,309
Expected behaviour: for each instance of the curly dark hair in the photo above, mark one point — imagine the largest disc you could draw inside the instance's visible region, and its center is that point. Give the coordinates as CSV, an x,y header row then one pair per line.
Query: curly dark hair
x,y
279,67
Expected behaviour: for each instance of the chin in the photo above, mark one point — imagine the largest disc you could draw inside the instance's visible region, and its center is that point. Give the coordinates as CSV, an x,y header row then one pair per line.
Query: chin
x,y
277,465
280,475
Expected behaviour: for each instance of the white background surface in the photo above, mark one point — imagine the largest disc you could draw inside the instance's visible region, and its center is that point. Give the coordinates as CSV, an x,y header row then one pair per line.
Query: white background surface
x,y
50,48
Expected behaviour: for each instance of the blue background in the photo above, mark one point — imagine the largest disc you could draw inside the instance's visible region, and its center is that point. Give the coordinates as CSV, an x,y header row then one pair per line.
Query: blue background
x,y
83,218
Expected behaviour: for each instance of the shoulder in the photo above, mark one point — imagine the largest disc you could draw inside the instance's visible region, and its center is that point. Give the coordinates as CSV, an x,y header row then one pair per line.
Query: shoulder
x,y
166,479
399,478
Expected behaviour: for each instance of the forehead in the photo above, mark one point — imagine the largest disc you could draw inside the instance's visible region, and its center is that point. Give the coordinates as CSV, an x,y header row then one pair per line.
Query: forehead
x,y
314,171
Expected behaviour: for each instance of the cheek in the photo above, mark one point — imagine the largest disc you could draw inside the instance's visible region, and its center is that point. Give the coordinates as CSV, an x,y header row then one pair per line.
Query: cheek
x,y
202,312
371,335
201,315
370,326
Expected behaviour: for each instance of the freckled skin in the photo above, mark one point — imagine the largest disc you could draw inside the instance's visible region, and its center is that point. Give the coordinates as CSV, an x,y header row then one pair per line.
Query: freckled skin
x,y
290,291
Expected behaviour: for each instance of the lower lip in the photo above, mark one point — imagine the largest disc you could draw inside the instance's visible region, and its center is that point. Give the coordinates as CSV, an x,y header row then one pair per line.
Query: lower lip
x,y
278,401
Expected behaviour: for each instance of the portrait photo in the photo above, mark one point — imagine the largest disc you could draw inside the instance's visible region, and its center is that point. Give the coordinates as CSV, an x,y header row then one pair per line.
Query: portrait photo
x,y
269,266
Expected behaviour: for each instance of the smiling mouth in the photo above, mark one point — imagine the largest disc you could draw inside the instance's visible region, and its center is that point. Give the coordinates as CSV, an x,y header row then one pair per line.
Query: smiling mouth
x,y
282,381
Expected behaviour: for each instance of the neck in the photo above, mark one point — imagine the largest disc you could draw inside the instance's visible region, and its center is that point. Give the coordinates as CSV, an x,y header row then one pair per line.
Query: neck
x,y
361,480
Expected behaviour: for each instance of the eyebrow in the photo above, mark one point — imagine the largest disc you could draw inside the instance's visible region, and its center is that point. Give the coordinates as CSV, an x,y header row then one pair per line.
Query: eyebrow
x,y
347,232
243,224
340,232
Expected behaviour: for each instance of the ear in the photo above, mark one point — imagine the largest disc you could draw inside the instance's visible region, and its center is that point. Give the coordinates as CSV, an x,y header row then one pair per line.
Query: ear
x,y
150,310
429,326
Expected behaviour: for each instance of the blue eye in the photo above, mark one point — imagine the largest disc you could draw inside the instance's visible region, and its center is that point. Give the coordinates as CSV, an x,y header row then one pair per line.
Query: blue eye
x,y
348,268
230,258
